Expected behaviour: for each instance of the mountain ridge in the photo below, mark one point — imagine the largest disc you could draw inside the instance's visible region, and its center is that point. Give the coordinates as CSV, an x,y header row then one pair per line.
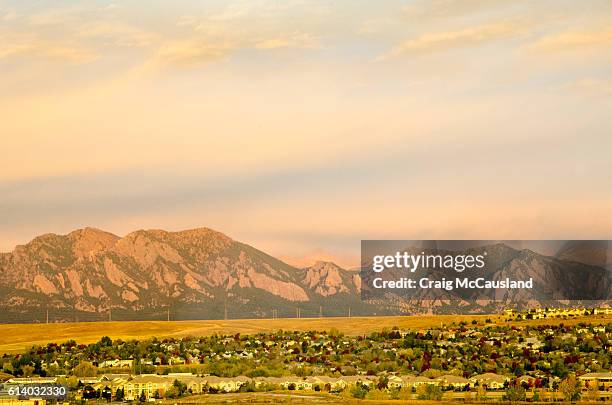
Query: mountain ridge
x,y
201,273
92,270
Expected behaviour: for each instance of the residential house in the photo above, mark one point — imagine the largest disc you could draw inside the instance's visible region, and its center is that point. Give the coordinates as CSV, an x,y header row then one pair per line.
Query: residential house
x,y
603,380
489,380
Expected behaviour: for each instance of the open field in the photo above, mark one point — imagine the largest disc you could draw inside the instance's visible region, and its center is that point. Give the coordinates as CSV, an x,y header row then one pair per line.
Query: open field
x,y
304,398
15,338
288,398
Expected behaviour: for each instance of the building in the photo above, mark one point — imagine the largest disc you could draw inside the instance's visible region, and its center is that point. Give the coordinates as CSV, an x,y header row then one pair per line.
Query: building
x,y
603,380
489,380
454,382
117,363
151,385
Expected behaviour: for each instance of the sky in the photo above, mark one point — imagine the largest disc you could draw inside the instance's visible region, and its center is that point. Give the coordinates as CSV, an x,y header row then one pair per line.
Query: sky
x,y
302,127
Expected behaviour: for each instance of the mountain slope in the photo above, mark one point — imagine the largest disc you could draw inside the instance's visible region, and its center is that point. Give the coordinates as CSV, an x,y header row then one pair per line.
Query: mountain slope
x,y
90,274
198,272
327,278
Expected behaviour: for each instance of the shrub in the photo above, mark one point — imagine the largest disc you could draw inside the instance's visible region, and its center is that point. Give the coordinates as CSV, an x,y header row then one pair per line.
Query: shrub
x,y
359,391
514,394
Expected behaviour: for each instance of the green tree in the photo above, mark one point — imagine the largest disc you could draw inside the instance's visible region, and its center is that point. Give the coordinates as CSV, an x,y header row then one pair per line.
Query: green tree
x,y
359,391
516,394
106,341
383,383
570,387
180,387
429,392
27,370
119,394
85,369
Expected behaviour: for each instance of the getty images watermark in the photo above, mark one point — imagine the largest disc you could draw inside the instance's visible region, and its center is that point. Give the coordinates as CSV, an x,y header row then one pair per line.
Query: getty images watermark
x,y
467,271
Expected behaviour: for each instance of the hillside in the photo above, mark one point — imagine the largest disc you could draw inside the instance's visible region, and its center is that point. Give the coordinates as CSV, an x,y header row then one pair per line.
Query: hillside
x,y
197,273
93,275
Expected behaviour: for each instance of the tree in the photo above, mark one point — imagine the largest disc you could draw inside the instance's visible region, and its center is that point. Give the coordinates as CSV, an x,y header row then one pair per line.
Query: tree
x,y
181,388
107,393
85,369
570,387
515,394
106,341
383,383
429,392
359,391
27,371
119,394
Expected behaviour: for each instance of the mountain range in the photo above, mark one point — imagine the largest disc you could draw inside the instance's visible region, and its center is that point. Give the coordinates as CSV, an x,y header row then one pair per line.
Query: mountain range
x,y
90,274
197,273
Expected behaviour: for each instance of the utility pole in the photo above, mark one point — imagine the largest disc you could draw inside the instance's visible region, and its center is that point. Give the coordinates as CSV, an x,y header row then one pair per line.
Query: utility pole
x,y
349,312
225,311
110,315
168,314
320,311
47,315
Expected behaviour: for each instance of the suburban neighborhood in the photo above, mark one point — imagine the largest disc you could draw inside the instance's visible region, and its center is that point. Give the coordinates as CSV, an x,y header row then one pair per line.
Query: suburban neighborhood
x,y
477,360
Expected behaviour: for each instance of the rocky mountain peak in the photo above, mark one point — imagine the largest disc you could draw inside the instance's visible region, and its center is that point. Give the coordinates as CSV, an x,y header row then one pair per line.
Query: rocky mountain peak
x,y
89,241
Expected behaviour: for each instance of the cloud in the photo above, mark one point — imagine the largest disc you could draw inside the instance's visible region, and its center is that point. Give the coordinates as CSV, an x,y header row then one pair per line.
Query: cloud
x,y
573,40
293,40
47,50
8,15
441,41
430,9
191,52
117,34
219,46
590,87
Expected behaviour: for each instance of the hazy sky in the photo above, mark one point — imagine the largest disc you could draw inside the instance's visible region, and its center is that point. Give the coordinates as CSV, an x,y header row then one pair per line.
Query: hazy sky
x,y
301,127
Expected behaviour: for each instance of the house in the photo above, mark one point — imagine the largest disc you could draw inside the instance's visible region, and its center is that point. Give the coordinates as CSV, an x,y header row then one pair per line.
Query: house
x,y
351,380
603,380
413,382
226,384
452,381
89,380
489,380
117,363
531,343
176,360
194,384
525,380
395,382
149,384
112,376
32,380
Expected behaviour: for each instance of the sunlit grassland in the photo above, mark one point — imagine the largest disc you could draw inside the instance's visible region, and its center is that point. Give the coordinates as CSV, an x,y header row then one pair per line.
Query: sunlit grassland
x,y
16,337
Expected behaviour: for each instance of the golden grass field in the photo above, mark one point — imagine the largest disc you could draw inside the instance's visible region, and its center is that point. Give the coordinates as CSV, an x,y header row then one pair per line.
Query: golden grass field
x,y
16,338
288,397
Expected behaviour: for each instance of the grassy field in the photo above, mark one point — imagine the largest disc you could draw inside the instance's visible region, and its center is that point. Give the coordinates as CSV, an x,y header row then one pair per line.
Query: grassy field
x,y
307,398
15,338
288,397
